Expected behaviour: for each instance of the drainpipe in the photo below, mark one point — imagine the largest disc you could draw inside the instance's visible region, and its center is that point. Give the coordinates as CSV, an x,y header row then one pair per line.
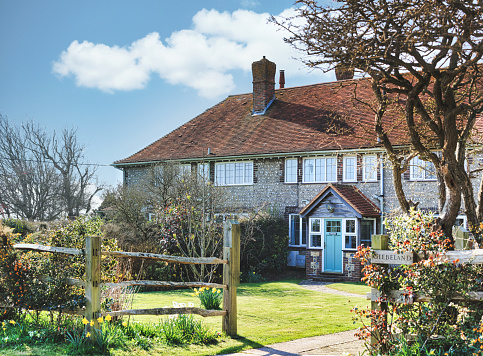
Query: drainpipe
x,y
381,197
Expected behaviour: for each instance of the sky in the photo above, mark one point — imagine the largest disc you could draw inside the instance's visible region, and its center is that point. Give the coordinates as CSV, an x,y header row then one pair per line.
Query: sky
x,y
126,73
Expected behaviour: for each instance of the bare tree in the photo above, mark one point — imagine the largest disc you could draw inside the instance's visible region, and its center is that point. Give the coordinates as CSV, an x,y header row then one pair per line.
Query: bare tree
x,y
42,178
28,184
78,185
421,56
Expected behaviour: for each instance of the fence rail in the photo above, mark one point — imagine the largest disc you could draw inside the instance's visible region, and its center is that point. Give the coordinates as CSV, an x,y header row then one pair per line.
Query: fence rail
x,y
92,284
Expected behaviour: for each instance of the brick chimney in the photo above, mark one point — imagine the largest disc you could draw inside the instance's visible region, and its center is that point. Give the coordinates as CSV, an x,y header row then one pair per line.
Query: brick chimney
x,y
263,85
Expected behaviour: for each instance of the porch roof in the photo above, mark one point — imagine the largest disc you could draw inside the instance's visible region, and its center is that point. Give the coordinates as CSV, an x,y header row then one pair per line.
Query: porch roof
x,y
351,195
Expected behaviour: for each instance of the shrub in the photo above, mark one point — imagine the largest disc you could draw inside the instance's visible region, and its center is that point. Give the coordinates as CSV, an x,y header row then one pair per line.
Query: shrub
x,y
264,243
441,325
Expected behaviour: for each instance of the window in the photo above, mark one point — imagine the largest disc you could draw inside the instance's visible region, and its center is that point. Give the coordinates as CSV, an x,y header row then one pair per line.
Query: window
x,y
298,230
350,233
367,230
185,169
369,170
317,170
234,173
204,170
422,170
291,170
315,233
350,169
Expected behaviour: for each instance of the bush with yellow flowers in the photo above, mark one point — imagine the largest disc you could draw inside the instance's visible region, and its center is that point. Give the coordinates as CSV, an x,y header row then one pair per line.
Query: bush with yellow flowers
x,y
210,298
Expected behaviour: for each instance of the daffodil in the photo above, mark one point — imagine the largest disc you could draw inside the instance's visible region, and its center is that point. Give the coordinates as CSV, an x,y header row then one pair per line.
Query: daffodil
x,y
124,323
92,323
88,334
100,320
12,322
85,321
108,318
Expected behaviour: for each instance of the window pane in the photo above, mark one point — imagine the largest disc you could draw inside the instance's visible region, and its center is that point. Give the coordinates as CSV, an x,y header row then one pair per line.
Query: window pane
x,y
204,170
430,170
220,174
291,170
331,169
239,173
229,173
304,231
315,240
350,226
370,168
350,168
294,229
320,170
367,230
248,173
350,241
315,225
308,170
333,226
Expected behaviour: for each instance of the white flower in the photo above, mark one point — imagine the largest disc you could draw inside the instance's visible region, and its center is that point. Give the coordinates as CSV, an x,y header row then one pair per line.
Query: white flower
x,y
175,305
191,305
182,305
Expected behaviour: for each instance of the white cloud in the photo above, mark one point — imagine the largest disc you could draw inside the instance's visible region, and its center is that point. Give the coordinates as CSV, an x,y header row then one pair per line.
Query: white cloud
x,y
201,58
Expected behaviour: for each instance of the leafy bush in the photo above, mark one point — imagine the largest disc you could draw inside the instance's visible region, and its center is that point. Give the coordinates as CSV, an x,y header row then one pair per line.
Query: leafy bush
x,y
21,227
185,329
441,325
264,243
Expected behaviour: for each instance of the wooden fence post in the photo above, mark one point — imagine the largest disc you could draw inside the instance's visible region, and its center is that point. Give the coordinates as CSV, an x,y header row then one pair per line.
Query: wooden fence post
x,y
93,280
378,242
231,275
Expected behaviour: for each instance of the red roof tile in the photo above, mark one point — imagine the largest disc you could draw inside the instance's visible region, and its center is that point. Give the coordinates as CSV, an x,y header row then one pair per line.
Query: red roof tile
x,y
353,196
301,119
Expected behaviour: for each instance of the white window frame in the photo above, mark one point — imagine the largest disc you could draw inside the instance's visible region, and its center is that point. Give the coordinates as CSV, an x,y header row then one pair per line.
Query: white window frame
x,y
419,170
234,173
204,170
301,231
292,169
314,233
372,176
345,166
345,233
319,170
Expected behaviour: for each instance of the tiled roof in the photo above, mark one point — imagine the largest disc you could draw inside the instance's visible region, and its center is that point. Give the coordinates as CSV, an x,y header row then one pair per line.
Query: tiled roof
x,y
353,196
302,119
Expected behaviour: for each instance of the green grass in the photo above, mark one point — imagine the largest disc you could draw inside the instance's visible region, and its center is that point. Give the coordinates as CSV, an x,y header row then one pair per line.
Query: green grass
x,y
351,287
267,313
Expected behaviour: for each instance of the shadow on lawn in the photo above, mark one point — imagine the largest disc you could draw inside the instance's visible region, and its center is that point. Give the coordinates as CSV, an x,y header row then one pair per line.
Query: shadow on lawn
x,y
235,349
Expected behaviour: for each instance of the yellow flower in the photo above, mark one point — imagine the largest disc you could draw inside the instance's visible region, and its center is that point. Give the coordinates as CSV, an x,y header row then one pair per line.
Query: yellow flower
x,y
124,323
92,322
85,321
108,318
195,290
100,320
12,322
213,290
219,291
88,334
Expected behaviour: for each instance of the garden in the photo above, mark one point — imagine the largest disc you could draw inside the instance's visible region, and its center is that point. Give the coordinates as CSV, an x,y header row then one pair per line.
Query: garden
x,y
39,316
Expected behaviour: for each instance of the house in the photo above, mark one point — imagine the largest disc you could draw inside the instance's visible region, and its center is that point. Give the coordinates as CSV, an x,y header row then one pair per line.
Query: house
x,y
308,151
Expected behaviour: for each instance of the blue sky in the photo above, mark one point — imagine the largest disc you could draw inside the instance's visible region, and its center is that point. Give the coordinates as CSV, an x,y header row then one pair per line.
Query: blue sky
x,y
126,73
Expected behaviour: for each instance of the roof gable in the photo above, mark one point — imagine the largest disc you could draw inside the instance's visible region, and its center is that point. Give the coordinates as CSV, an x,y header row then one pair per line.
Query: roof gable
x,y
349,194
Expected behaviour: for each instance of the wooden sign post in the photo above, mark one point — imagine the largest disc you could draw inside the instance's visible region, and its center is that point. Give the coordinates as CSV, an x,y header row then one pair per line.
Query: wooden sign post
x,y
231,275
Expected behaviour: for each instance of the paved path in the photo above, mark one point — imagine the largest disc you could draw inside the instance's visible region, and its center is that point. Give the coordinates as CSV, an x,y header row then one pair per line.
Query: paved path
x,y
343,343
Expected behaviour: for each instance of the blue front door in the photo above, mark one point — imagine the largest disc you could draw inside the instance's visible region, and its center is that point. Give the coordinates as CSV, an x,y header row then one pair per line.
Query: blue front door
x,y
333,246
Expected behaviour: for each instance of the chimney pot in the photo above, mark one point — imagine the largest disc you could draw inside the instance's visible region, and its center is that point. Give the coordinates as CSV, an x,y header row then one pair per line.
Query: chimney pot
x,y
282,79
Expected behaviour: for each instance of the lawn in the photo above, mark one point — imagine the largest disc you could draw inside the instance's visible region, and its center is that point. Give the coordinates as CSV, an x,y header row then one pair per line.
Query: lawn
x,y
351,287
267,313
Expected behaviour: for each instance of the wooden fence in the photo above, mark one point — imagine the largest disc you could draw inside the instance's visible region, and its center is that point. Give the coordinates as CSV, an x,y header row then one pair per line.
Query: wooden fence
x,y
383,256
92,284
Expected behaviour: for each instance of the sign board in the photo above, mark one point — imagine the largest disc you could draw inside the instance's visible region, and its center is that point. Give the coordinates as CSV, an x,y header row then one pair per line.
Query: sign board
x,y
314,253
386,257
